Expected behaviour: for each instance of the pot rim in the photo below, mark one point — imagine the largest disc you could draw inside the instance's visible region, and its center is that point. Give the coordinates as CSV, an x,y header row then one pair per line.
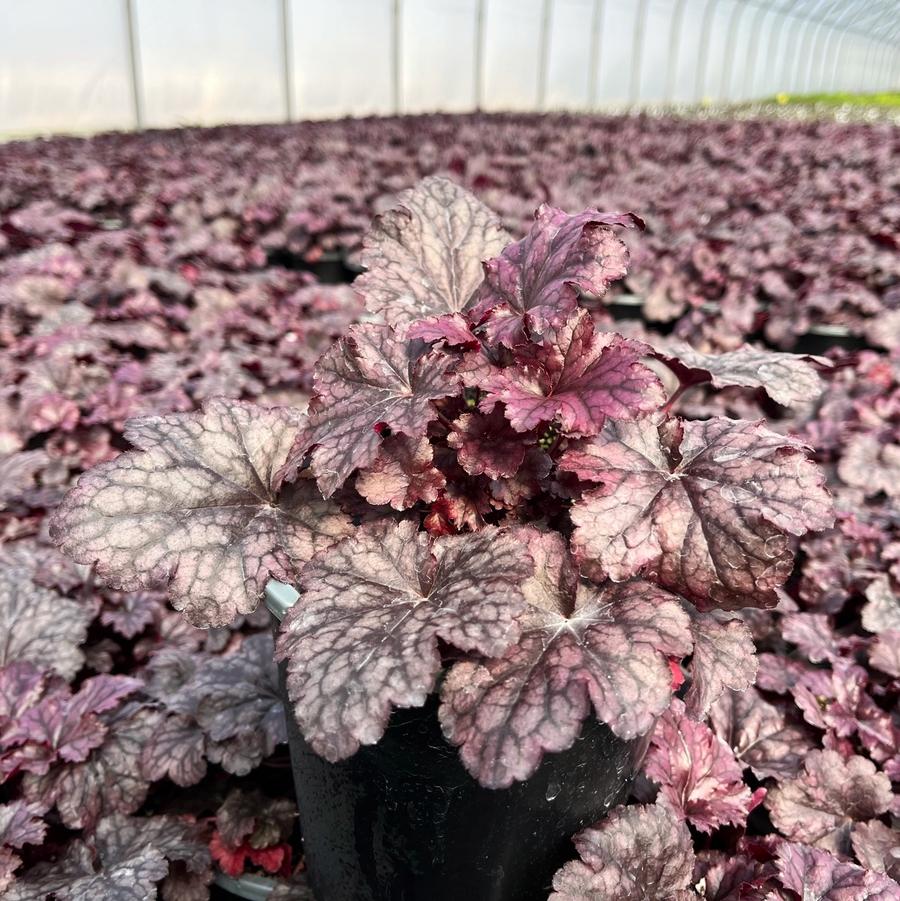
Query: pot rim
x,y
249,886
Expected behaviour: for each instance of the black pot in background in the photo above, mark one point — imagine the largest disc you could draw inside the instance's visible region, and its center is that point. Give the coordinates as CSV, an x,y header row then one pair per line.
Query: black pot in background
x,y
403,821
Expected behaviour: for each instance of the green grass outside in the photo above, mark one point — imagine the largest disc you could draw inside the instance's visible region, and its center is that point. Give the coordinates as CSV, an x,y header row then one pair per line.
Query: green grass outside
x,y
881,99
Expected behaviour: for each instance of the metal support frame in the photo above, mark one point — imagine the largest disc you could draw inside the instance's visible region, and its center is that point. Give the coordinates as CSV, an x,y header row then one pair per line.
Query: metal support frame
x,y
396,74
134,64
674,49
287,60
730,41
544,53
637,52
818,37
478,81
703,54
753,47
594,53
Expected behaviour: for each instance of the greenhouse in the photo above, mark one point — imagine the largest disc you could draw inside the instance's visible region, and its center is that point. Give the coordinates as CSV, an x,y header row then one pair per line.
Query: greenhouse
x,y
450,449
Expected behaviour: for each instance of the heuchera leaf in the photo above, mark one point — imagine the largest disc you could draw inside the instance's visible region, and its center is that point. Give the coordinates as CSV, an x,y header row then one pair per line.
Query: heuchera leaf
x,y
74,878
363,636
197,507
401,474
368,380
241,696
177,750
129,857
580,646
759,734
697,773
21,824
534,282
40,626
63,727
635,854
789,379
578,377
702,506
871,464
877,847
253,816
724,657
881,612
424,257
487,445
832,793
819,876
109,781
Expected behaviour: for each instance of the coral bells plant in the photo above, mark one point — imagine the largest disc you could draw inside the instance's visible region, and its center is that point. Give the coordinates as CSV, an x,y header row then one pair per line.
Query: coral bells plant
x,y
489,496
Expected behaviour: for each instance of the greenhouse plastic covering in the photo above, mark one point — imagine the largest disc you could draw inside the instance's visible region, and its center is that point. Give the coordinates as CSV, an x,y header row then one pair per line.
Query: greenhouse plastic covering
x,y
99,64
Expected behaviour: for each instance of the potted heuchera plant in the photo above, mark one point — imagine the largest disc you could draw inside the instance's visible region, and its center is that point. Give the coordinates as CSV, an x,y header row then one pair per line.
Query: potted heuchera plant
x,y
498,528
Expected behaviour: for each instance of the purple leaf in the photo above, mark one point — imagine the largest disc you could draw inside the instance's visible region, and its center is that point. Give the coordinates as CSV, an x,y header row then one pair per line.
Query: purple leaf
x,y
877,848
534,282
724,658
21,824
363,636
240,695
401,474
130,857
635,854
579,377
872,465
703,506
424,256
486,445
109,781
250,815
759,734
130,612
697,772
73,878
789,379
370,379
177,750
885,653
579,647
39,625
196,507
61,727
822,804
819,876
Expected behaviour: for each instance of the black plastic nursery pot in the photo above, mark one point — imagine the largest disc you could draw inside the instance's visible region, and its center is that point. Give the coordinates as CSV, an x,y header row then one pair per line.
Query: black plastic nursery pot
x,y
403,821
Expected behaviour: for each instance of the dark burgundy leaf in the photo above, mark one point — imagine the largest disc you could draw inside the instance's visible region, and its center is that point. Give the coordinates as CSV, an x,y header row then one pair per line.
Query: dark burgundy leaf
x,y
486,445
366,381
578,377
697,773
535,282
